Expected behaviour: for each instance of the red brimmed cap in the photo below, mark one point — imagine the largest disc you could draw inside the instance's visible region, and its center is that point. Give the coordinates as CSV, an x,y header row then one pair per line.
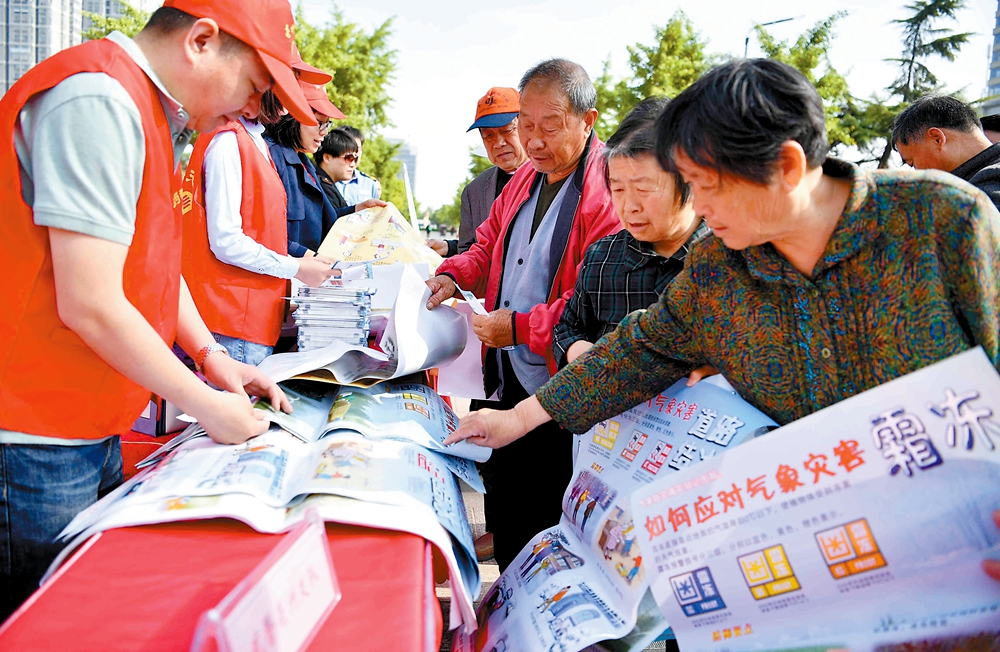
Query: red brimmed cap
x,y
307,73
316,97
269,28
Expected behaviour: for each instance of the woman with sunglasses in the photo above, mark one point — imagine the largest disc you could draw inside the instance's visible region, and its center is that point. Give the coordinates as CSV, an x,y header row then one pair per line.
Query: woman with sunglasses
x,y
337,159
310,214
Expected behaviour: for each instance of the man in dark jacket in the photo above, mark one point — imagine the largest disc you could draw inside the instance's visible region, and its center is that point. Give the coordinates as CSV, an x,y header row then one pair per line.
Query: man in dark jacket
x,y
336,160
938,132
496,120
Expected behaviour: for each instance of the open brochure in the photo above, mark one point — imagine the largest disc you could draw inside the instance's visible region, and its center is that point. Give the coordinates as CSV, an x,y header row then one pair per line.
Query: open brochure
x,y
381,235
414,339
263,482
860,525
408,412
585,580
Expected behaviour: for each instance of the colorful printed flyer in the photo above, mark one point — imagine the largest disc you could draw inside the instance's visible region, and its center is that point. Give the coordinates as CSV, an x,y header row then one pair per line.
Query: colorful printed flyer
x,y
585,580
862,524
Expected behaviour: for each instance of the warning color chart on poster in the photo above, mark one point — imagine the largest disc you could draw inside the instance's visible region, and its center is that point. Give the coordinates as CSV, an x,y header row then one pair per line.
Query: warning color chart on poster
x,y
862,524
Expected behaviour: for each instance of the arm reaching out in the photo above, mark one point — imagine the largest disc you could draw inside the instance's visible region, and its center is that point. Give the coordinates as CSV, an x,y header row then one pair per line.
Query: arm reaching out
x,y
91,302
497,428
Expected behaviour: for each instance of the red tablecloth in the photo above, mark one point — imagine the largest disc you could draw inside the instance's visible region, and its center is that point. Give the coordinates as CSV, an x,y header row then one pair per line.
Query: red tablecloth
x,y
144,588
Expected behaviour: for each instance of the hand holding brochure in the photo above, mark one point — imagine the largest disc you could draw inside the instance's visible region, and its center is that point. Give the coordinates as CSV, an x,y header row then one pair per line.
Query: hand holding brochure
x,y
415,339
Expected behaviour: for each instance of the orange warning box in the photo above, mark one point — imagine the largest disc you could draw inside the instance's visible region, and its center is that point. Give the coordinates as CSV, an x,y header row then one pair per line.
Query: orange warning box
x,y
768,573
850,549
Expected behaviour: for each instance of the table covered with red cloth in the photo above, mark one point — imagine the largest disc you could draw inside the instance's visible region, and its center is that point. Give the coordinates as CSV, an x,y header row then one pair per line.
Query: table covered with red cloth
x,y
144,588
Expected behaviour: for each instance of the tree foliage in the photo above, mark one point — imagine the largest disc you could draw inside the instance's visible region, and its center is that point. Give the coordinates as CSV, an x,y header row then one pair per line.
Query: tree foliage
x,y
809,55
451,214
363,65
922,40
676,59
131,22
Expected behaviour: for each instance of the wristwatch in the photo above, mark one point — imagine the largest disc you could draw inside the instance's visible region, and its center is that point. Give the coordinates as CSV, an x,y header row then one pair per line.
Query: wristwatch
x,y
199,358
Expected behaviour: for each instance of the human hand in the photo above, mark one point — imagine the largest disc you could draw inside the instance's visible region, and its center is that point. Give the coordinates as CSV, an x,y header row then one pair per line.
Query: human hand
x,y
315,270
495,329
576,349
244,380
497,428
442,287
440,247
992,566
369,203
701,373
230,418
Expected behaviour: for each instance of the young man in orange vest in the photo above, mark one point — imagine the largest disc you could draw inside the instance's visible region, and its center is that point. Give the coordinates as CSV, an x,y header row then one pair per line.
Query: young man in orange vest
x,y
91,242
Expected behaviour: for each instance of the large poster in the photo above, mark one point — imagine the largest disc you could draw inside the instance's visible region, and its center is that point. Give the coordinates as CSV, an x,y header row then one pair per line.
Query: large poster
x,y
864,523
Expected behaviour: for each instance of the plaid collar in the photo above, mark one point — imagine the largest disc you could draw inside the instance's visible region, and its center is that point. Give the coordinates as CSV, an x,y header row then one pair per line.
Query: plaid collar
x,y
642,253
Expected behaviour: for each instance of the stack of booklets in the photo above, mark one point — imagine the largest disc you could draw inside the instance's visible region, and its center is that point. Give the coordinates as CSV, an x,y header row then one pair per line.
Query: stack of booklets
x,y
328,314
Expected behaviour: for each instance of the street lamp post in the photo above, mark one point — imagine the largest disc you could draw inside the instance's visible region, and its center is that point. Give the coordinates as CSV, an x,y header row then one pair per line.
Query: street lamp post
x,y
746,42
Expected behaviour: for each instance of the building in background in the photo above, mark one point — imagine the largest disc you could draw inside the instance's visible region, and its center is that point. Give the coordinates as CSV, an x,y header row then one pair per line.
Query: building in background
x,y
31,30
992,105
407,155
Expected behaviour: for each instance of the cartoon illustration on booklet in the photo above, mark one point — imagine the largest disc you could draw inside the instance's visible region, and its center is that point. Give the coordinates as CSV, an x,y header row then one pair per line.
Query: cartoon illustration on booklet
x,y
585,580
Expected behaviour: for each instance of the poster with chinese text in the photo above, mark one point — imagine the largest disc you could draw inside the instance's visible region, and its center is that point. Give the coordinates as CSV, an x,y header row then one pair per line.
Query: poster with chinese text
x,y
862,524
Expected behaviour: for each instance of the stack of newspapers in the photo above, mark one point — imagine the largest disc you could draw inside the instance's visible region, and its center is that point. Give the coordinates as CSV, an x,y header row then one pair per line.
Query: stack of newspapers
x,y
325,314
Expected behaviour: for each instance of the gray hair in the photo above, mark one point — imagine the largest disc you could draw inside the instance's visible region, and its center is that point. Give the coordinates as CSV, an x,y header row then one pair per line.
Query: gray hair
x,y
569,77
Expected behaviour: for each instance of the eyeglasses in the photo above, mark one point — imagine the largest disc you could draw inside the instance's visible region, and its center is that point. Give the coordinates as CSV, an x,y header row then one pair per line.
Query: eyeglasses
x,y
351,158
325,127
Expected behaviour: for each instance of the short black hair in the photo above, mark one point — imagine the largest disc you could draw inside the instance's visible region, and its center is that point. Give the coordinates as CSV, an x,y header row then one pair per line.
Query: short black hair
x,y
285,132
354,133
736,117
338,142
636,136
933,110
990,122
167,20
568,77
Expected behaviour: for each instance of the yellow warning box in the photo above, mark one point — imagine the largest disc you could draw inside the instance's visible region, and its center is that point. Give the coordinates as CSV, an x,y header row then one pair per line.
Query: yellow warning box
x,y
768,573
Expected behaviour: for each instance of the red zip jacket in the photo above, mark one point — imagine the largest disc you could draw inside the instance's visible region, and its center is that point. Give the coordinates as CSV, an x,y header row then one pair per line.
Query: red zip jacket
x,y
480,269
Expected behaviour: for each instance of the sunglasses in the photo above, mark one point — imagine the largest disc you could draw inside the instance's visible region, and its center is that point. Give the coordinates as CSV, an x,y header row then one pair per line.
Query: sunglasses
x,y
351,158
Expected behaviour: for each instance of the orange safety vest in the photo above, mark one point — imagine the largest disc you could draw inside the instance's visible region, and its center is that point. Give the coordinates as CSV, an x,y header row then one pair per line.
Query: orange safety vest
x,y
233,301
51,382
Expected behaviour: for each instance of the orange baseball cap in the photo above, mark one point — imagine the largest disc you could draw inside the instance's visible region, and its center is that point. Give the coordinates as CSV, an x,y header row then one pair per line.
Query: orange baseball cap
x,y
498,107
316,97
268,28
307,73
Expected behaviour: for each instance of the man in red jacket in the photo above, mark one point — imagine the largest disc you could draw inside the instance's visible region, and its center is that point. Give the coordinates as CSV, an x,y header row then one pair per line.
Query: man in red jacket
x,y
525,261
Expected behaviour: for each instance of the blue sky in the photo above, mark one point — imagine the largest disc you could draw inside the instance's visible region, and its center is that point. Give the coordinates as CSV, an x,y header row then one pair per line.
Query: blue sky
x,y
451,52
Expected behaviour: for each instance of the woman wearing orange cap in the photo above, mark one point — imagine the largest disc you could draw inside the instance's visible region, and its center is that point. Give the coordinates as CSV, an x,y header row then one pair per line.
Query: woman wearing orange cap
x,y
310,213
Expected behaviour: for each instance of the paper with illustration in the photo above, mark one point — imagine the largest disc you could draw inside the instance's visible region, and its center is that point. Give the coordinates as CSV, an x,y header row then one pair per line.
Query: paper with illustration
x,y
860,525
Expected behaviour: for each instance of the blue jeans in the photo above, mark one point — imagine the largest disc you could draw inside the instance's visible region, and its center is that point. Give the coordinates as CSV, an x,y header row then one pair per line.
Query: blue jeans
x,y
242,350
41,489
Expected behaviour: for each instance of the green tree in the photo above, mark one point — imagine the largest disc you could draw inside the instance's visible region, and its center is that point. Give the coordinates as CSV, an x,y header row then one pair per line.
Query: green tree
x,y
922,41
676,59
131,23
363,65
809,54
451,213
